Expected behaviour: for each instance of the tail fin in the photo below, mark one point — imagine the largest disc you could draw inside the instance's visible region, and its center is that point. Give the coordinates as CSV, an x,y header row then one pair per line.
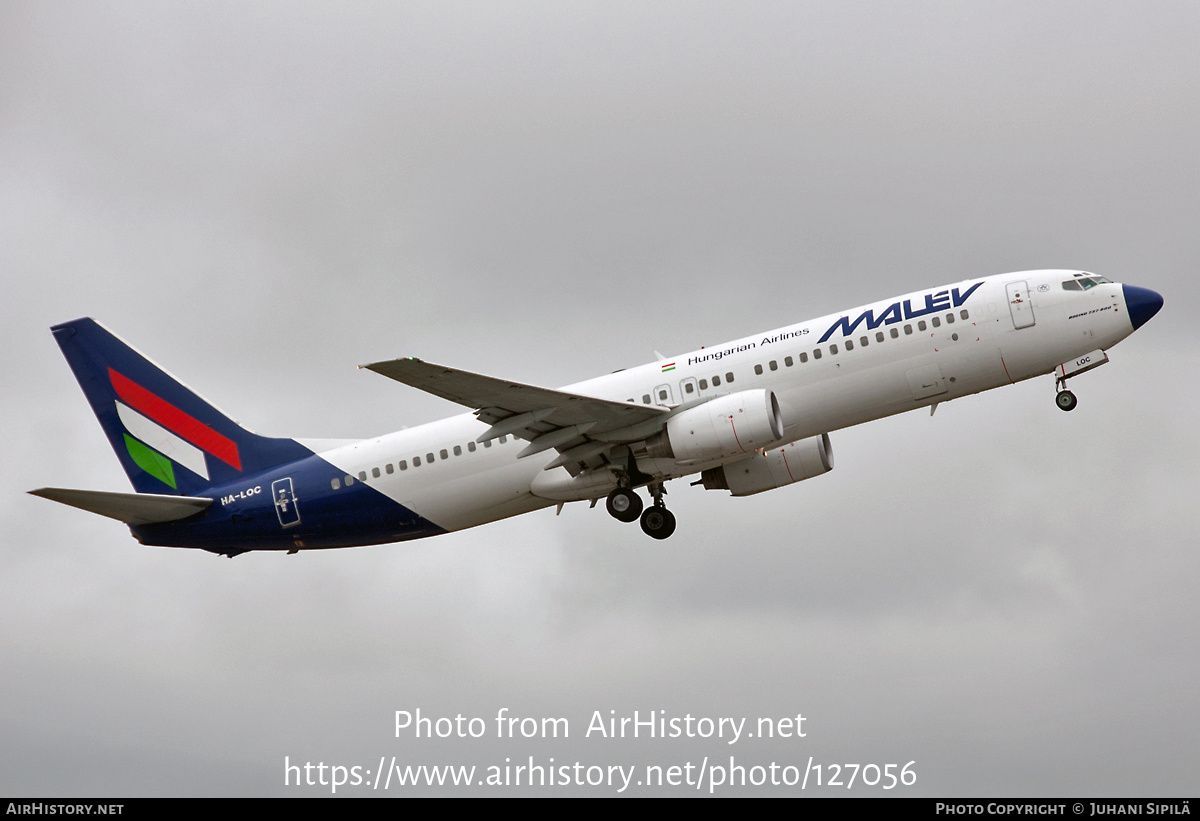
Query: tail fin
x,y
169,439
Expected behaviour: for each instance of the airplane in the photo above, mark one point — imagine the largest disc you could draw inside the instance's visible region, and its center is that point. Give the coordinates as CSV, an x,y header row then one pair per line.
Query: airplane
x,y
748,416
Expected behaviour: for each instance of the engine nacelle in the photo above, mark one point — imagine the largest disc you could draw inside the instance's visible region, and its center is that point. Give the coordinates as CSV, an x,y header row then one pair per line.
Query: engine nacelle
x,y
775,468
741,422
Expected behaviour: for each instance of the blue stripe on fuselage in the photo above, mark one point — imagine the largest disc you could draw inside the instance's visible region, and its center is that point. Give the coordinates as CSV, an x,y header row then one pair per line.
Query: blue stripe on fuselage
x,y
244,516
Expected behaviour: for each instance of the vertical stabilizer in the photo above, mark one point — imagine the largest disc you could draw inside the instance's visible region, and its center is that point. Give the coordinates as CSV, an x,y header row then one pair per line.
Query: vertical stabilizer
x,y
169,439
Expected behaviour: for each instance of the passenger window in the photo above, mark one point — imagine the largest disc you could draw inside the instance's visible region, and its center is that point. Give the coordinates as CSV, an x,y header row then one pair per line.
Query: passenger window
x,y
429,458
862,341
416,461
375,472
921,325
816,353
773,365
895,334
879,336
849,346
362,475
487,443
963,313
403,464
503,439
949,319
803,357
937,322
908,330
349,479
335,483
758,370
646,399
716,381
443,454
703,384
471,446
389,468
787,360
458,450
833,348
729,377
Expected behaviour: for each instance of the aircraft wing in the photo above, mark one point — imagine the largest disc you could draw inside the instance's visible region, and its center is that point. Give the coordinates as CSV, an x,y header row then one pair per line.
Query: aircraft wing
x,y
547,418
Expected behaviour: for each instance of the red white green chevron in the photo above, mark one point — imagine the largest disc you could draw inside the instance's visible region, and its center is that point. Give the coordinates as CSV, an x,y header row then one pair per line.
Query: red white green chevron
x,y
159,435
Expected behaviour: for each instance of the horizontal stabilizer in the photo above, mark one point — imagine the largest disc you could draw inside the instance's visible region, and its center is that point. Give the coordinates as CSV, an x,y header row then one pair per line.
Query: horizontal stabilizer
x,y
130,508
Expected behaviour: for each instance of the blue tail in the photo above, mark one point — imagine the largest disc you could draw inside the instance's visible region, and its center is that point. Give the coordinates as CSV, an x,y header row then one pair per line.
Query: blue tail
x,y
169,440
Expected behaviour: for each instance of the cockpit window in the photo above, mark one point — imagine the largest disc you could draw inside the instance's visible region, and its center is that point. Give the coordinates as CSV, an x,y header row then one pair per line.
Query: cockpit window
x,y
1084,283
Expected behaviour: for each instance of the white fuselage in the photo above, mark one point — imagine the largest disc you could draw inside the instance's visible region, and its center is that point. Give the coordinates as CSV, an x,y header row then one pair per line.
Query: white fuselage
x,y
824,377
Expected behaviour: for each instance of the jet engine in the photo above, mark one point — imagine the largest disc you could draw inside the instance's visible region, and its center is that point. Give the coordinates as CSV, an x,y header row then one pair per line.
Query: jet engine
x,y
728,425
775,468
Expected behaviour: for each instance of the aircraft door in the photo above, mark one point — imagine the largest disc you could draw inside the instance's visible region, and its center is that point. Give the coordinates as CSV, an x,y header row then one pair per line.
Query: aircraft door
x,y
687,390
1019,305
285,502
926,381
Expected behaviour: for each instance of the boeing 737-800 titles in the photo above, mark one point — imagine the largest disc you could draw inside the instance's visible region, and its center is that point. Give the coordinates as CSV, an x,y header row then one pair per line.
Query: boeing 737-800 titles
x,y
747,416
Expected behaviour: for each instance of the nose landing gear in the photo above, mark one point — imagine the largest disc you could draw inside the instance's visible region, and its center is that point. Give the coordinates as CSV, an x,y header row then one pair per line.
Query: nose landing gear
x,y
1064,398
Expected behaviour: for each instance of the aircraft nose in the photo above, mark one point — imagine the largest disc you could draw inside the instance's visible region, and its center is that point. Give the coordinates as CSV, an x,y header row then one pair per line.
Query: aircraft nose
x,y
1142,304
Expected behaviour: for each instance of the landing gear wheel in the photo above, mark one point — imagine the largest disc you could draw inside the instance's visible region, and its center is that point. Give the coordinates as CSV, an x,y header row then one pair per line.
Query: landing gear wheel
x,y
658,522
624,505
1066,401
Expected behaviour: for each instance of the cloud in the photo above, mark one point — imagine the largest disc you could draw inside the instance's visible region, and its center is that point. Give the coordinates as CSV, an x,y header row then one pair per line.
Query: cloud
x,y
262,199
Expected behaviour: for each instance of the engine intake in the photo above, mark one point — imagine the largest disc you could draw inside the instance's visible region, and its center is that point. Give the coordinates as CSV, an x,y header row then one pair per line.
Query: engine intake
x,y
741,422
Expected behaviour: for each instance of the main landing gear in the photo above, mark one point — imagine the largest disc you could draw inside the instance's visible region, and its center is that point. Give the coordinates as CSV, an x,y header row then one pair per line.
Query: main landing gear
x,y
625,505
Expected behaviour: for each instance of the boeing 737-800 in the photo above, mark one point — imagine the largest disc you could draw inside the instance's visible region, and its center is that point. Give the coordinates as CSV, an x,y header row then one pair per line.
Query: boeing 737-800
x,y
748,416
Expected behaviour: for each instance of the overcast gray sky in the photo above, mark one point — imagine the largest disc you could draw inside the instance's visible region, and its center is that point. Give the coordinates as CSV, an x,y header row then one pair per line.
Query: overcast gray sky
x,y
262,196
